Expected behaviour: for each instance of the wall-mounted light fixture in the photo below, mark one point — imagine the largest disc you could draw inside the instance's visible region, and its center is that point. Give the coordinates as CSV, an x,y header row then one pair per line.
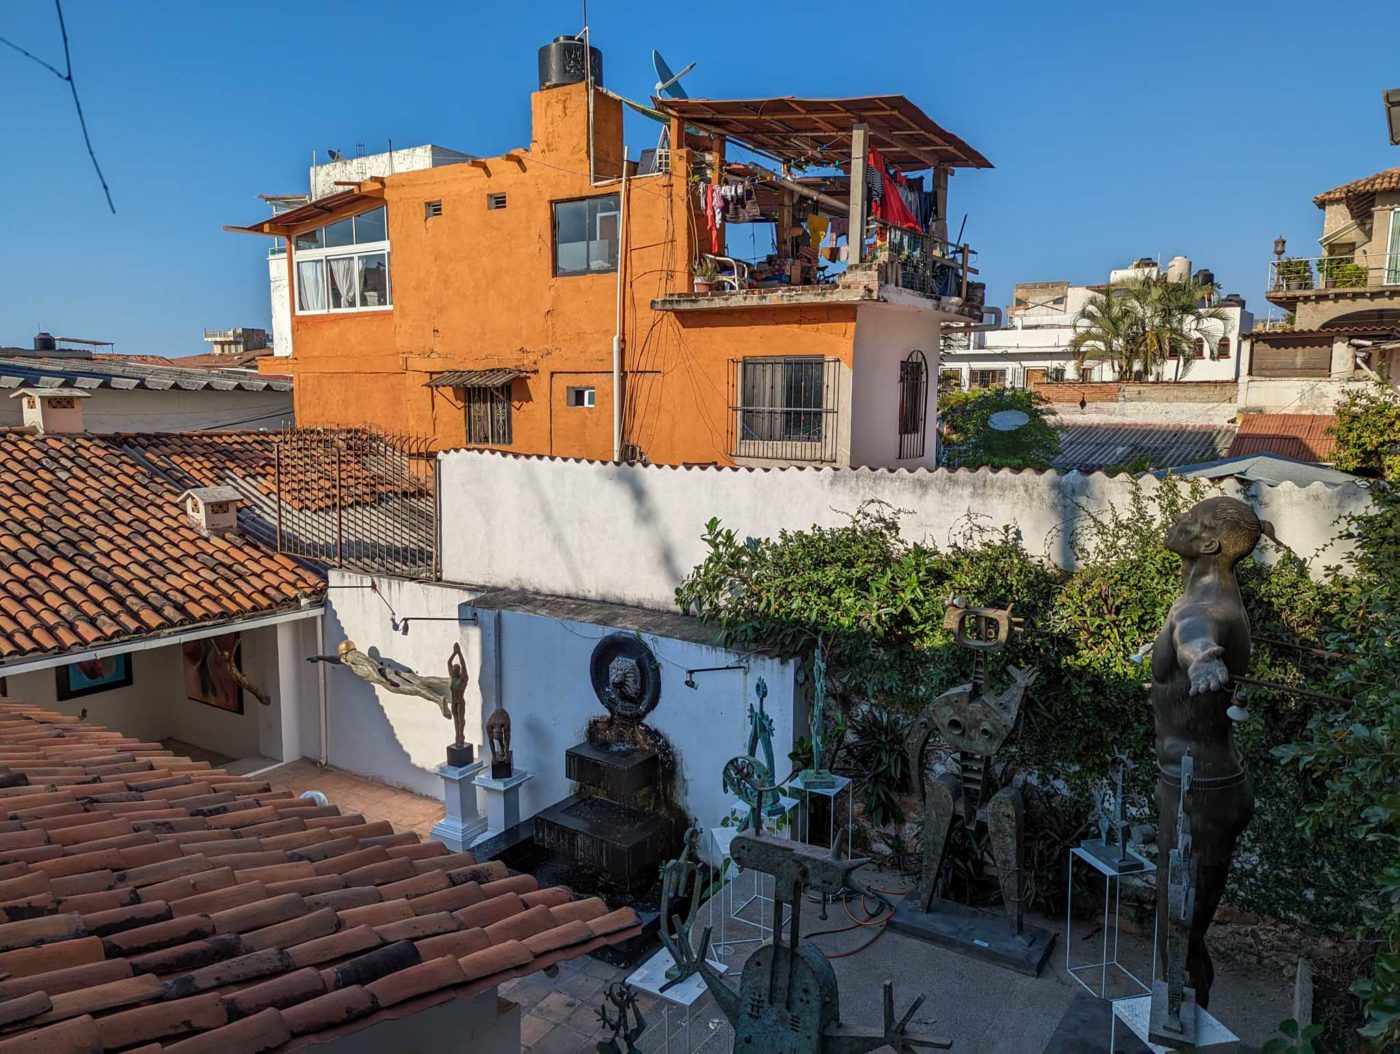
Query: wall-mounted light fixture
x,y
400,625
690,674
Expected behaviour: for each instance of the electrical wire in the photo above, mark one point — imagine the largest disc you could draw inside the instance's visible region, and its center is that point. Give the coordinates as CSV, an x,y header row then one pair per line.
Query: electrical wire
x,y
67,75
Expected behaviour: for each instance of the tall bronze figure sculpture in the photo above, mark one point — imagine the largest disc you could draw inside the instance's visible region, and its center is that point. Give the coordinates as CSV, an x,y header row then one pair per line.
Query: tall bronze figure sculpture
x,y
459,751
1201,648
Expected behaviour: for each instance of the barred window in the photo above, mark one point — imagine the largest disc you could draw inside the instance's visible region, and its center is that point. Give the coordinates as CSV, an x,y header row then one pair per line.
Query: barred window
x,y
488,415
913,404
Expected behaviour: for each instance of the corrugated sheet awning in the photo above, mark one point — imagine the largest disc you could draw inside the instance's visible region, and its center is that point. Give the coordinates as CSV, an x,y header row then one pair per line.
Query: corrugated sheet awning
x,y
476,378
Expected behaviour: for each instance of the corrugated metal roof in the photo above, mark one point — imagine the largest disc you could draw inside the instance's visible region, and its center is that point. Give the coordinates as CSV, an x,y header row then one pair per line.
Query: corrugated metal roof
x,y
1090,447
1264,468
1303,437
18,371
476,378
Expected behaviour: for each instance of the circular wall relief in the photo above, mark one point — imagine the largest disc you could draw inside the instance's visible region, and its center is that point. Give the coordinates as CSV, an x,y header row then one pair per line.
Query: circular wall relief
x,y
626,676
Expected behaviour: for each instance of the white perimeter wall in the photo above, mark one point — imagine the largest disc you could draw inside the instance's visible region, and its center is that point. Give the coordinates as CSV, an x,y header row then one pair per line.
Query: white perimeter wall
x,y
154,706
630,534
885,335
544,686
173,410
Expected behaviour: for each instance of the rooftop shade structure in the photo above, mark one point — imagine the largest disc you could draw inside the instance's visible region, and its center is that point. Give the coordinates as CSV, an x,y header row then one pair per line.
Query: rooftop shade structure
x,y
818,131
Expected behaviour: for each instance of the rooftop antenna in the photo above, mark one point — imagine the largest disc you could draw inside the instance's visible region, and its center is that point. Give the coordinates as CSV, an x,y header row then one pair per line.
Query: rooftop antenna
x,y
668,83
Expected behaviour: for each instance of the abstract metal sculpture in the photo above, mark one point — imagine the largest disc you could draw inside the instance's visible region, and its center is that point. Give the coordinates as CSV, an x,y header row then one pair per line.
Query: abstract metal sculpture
x,y
1203,646
625,675
818,777
743,776
620,995
681,878
391,679
974,725
788,999
1111,846
1172,1021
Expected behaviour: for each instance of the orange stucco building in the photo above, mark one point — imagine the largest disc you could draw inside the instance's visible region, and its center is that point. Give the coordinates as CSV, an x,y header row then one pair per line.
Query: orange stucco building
x,y
513,301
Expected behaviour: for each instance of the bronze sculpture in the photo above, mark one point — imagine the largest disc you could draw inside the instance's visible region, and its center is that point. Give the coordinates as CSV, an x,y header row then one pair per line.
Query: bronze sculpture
x,y
1201,648
377,672
788,998
459,752
627,1027
681,878
498,739
230,661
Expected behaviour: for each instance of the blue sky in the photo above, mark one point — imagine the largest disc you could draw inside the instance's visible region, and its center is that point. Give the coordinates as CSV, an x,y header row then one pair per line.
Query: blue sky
x,y
1117,131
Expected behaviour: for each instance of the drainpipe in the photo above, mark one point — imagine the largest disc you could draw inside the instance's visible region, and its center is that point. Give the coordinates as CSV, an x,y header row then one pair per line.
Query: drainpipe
x,y
321,686
617,321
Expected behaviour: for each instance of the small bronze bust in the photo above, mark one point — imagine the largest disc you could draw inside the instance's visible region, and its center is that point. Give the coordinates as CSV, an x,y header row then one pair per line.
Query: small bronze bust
x,y
498,737
1203,645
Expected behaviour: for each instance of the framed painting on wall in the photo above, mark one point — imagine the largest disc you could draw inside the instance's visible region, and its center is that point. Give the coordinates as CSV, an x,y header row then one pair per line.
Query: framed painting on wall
x,y
93,675
209,671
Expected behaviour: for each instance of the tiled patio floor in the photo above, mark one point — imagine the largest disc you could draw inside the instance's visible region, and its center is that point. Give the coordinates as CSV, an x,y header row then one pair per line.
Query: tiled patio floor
x,y
377,801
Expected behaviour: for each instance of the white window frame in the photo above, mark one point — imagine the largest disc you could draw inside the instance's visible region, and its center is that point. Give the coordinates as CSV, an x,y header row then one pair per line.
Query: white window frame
x,y
354,249
589,398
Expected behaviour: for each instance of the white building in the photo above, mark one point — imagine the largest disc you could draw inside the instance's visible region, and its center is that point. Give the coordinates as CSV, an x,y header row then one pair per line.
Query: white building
x,y
1034,346
323,180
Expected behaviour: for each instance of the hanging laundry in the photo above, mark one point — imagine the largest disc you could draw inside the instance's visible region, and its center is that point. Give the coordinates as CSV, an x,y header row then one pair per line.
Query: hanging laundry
x,y
886,203
918,200
817,225
712,205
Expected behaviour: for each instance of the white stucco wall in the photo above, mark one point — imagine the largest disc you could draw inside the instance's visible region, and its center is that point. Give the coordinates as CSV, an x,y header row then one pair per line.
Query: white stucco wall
x,y
630,534
154,705
544,685
279,288
173,410
885,335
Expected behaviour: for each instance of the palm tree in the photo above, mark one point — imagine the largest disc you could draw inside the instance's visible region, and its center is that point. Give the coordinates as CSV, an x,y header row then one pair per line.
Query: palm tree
x,y
1140,324
1107,329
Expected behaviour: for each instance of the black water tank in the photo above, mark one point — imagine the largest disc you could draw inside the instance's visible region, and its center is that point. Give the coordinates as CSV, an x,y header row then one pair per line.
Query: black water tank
x,y
562,62
1204,277
44,342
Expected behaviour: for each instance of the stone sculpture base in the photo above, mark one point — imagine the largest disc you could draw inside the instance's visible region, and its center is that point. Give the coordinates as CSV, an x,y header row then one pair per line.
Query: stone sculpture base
x,y
503,770
459,757
975,933
1116,859
1157,1030
460,827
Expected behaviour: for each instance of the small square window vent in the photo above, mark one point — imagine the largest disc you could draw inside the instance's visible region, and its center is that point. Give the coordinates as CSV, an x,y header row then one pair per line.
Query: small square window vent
x,y
496,201
584,397
431,209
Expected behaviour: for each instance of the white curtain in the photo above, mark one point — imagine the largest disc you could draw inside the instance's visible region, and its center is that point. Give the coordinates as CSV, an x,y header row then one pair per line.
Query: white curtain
x,y
311,286
343,279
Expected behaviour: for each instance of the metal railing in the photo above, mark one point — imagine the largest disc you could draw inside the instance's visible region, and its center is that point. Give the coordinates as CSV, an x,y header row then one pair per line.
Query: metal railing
x,y
1327,273
354,497
784,409
923,263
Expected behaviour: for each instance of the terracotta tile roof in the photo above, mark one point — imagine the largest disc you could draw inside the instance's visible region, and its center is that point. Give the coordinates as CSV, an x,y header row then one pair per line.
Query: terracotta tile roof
x,y
149,899
1387,180
1303,437
95,548
1091,447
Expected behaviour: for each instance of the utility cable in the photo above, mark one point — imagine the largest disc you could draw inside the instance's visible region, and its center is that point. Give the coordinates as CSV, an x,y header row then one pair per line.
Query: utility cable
x,y
67,75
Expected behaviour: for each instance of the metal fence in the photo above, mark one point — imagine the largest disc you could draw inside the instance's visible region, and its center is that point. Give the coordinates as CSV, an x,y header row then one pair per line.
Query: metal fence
x,y
784,409
353,497
1353,271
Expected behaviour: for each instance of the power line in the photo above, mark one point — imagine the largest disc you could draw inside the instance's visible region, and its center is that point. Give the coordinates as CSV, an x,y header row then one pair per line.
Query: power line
x,y
72,87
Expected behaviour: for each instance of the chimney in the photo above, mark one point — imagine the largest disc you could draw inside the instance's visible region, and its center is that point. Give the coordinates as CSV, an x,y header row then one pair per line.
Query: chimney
x,y
214,510
52,411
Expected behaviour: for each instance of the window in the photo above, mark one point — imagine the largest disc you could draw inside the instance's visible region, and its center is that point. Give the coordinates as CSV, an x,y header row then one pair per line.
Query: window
x,y
488,415
586,398
1222,348
950,380
432,209
913,404
986,379
496,201
1054,374
585,235
344,266
785,408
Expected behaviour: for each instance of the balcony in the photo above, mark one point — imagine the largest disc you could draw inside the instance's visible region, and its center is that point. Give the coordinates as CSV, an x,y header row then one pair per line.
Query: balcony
x,y
1355,275
899,265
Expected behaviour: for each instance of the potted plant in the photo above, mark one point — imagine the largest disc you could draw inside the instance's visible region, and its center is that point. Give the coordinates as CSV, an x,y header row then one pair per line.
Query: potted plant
x,y
1342,273
1293,273
705,274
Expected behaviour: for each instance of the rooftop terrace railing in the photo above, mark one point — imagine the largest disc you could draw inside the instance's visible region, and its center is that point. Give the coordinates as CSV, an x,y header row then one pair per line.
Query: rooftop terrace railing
x,y
1331,273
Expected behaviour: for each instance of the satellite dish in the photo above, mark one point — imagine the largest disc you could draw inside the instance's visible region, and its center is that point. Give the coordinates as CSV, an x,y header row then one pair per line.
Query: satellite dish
x,y
1008,420
668,83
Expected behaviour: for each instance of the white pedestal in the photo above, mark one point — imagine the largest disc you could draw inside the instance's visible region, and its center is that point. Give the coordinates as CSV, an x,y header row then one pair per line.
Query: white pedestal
x,y
650,977
502,802
1211,1036
459,828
